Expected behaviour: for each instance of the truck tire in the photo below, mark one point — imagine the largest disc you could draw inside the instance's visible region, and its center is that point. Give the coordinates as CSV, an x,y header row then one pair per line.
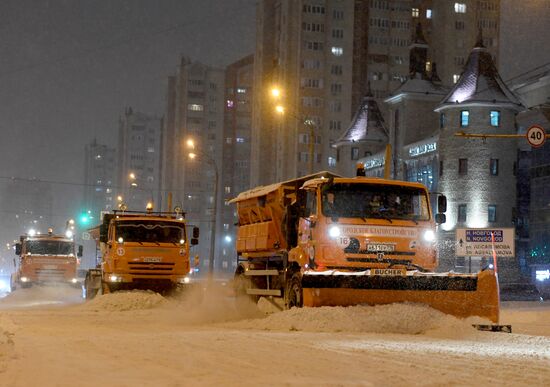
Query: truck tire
x,y
25,285
105,288
293,292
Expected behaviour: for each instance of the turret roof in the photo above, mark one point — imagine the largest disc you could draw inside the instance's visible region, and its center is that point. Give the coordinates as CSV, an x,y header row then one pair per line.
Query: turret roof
x,y
480,83
367,124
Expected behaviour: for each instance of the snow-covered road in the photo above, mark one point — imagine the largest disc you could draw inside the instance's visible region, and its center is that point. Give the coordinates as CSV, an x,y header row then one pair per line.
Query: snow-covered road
x,y
48,337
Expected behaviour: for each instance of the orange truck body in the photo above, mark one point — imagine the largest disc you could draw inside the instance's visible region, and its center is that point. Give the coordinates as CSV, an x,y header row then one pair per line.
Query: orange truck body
x,y
140,250
45,258
329,240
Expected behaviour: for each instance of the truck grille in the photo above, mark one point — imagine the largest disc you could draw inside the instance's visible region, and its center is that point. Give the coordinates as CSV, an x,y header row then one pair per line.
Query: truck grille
x,y
151,268
44,274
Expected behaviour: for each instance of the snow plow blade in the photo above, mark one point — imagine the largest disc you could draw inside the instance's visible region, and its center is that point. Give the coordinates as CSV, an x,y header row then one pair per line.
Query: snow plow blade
x,y
460,295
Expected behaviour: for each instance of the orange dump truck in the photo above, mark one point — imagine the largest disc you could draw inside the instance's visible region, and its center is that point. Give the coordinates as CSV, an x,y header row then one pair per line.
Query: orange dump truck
x,y
329,240
141,250
45,258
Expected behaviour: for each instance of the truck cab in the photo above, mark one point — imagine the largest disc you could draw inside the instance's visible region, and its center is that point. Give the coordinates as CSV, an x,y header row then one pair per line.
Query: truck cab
x,y
45,258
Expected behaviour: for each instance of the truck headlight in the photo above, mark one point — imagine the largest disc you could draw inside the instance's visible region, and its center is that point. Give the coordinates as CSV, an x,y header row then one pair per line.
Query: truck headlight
x,y
185,280
24,279
429,236
115,278
334,231
74,280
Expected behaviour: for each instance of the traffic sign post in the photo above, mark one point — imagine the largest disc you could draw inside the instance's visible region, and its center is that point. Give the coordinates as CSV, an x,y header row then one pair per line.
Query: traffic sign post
x,y
536,136
478,242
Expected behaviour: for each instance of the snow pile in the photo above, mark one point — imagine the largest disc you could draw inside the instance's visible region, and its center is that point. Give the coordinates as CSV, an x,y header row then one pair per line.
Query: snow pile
x,y
123,301
394,318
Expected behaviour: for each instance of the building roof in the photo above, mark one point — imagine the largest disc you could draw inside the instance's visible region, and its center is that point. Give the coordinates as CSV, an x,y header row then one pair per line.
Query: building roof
x,y
480,84
367,124
418,87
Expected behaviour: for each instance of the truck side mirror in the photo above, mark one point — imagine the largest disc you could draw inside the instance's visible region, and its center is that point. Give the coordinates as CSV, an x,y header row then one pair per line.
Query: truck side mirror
x,y
80,250
440,218
18,249
103,232
196,232
441,204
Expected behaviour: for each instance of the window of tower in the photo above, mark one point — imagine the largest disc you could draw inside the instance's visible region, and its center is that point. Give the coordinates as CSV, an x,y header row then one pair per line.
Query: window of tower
x,y
464,118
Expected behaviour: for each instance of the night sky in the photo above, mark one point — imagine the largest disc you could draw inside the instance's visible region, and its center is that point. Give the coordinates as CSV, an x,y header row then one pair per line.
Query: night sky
x,y
68,68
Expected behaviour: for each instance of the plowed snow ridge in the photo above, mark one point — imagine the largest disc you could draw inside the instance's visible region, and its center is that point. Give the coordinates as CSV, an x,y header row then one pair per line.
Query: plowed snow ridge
x,y
395,318
124,301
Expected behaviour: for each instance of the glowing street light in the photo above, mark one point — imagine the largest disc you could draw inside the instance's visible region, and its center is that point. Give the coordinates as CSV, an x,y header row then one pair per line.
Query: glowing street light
x,y
132,176
280,109
276,92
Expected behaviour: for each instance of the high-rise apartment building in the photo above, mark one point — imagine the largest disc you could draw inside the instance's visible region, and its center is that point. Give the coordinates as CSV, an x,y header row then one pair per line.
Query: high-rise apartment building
x,y
139,161
195,112
100,191
235,168
322,54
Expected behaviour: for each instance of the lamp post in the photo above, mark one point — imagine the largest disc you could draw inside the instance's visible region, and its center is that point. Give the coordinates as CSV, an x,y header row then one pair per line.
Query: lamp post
x,y
201,155
307,122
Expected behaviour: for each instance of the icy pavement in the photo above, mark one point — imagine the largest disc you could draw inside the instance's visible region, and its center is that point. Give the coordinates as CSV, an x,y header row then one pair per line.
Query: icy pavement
x,y
141,339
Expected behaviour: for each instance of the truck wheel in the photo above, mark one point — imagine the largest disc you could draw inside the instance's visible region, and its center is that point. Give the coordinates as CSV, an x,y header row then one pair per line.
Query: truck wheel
x,y
293,292
105,288
25,285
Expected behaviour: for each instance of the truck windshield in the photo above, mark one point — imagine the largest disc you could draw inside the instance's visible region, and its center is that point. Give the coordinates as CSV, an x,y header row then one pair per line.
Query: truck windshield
x,y
150,231
49,247
375,201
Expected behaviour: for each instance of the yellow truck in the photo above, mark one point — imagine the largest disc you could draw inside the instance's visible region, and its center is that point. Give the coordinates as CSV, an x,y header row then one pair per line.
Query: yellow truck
x,y
328,240
45,258
141,250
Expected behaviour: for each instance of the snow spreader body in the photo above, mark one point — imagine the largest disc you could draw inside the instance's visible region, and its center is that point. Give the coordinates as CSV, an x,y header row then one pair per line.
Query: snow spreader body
x,y
325,240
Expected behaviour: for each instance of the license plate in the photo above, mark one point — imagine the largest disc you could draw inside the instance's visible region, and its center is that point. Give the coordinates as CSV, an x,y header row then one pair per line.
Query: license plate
x,y
50,267
389,272
380,247
152,259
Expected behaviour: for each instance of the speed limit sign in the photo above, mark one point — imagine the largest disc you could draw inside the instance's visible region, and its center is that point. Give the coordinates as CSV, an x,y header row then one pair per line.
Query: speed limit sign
x,y
536,136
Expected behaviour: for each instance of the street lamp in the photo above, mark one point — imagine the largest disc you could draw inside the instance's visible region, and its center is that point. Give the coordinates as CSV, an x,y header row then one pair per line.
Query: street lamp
x,y
201,155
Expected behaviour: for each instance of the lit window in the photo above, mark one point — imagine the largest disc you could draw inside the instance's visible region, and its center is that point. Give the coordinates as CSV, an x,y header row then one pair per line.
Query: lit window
x,y
241,91
460,8
195,107
462,166
332,161
337,51
229,104
227,190
493,167
150,150
428,13
442,120
495,118
462,210
464,118
354,153
456,77
492,213
239,139
415,12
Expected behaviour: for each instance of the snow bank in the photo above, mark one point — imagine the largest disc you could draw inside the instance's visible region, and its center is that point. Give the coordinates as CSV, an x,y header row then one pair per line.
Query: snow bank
x,y
123,301
395,318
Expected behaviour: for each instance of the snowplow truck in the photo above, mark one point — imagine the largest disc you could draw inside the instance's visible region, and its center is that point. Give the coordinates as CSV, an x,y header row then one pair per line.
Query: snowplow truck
x,y
45,258
141,250
325,240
